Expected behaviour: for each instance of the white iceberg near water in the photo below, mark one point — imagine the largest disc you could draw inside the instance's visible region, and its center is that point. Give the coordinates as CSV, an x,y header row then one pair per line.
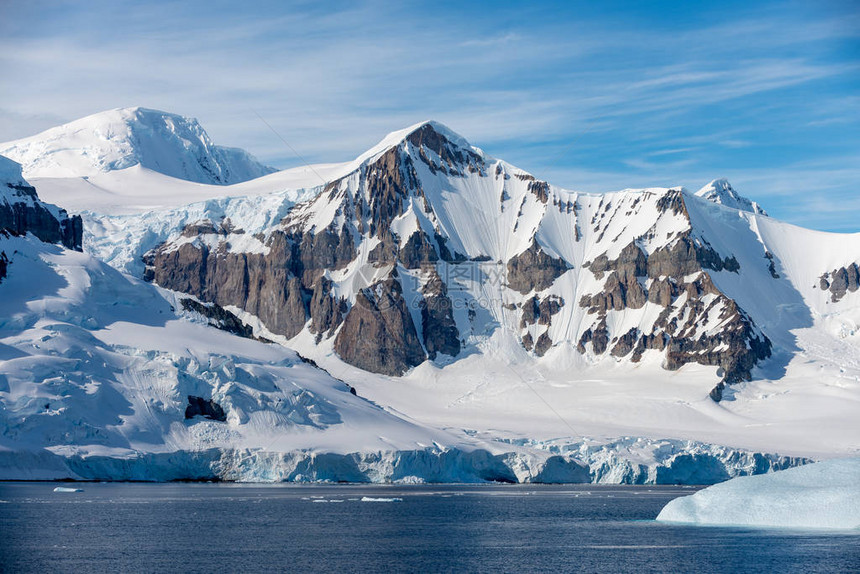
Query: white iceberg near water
x,y
67,489
822,495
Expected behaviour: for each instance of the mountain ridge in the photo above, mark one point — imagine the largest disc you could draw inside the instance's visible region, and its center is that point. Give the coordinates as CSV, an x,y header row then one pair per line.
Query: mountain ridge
x,y
420,206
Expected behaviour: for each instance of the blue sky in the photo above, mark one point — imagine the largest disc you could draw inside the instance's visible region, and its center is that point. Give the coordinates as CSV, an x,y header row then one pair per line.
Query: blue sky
x,y
593,96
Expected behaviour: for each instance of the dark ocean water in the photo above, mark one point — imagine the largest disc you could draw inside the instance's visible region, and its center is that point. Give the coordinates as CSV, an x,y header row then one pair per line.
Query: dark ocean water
x,y
251,528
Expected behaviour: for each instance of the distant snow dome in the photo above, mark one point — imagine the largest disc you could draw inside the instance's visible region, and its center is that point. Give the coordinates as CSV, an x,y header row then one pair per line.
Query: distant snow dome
x,y
821,495
118,139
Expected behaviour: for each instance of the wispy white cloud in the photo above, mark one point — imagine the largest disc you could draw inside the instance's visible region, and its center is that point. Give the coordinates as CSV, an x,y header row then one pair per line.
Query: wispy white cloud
x,y
594,98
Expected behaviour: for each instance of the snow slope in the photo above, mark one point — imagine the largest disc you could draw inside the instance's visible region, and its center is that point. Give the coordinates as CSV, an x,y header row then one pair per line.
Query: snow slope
x,y
96,368
118,139
97,363
824,495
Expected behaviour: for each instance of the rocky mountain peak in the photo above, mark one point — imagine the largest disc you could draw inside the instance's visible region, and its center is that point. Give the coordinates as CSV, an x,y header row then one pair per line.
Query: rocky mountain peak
x,y
721,191
427,246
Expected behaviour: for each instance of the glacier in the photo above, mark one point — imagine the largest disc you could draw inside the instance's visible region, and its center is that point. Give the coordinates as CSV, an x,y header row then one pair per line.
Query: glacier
x,y
824,495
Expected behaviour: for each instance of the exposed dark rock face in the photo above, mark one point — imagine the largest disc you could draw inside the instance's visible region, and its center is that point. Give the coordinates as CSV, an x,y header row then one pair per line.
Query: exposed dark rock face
x,y
663,291
540,311
198,406
455,160
543,344
219,317
735,347
631,261
528,342
318,252
621,291
446,255
771,266
437,320
687,256
597,335
4,263
277,286
389,181
673,201
625,343
378,334
418,251
537,311
716,393
22,212
534,270
326,312
540,189
385,253
841,281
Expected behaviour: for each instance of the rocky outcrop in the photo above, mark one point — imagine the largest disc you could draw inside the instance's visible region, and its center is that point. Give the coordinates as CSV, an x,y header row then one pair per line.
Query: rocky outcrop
x,y
281,284
543,344
733,342
4,263
418,251
841,281
325,310
219,317
389,181
535,319
437,320
540,311
454,159
198,406
687,256
378,334
534,270
771,265
597,335
22,212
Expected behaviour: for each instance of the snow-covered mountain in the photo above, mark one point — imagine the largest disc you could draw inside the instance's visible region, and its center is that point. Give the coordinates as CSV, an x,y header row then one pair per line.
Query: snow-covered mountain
x,y
428,245
527,321
721,191
119,139
106,377
429,260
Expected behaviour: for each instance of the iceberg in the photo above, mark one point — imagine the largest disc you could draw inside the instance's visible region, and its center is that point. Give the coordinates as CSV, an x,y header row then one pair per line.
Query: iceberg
x,y
823,495
67,489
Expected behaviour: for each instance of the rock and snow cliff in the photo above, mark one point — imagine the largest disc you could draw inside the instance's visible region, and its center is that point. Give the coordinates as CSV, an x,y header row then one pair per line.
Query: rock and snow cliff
x,y
22,212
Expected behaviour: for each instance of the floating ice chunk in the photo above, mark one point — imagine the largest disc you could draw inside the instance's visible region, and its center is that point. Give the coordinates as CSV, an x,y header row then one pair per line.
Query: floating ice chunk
x,y
371,499
820,495
67,489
